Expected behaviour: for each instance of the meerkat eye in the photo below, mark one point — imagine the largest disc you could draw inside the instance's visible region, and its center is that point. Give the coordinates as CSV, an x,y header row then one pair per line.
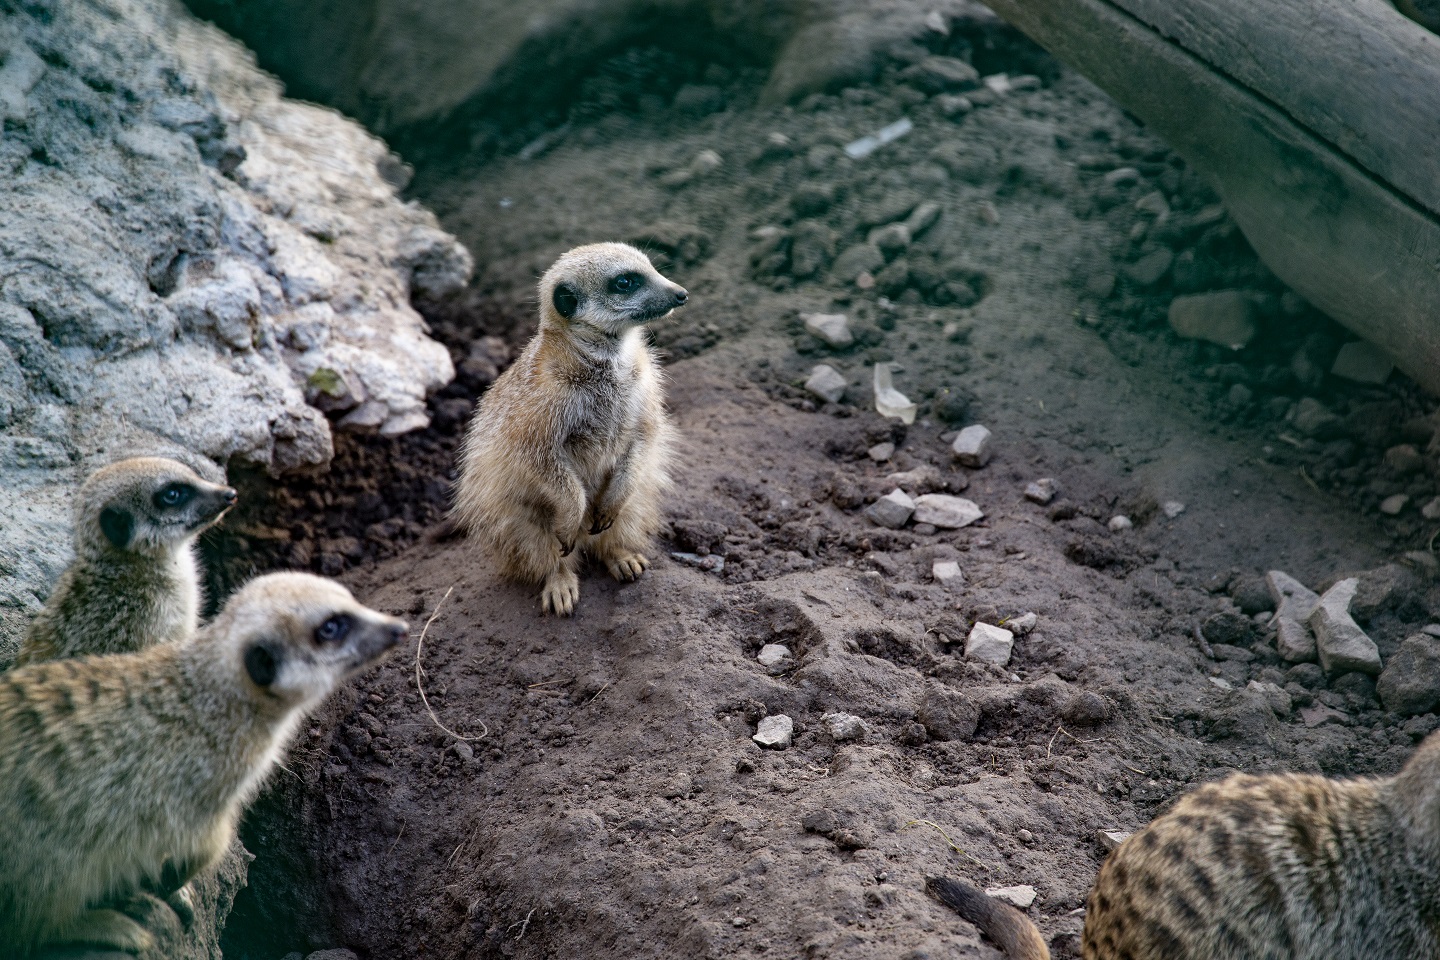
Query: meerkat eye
x,y
627,283
332,631
174,495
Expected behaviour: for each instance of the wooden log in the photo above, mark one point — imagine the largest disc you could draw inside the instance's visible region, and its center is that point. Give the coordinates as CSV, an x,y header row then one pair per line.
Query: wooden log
x,y
1332,193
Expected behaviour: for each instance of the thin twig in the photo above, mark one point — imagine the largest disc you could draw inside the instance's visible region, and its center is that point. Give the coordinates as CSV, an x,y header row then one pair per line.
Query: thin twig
x,y
602,689
937,829
420,674
523,924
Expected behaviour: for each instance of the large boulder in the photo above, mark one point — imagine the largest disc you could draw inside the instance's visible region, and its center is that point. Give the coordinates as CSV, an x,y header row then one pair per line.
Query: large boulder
x,y
396,63
189,263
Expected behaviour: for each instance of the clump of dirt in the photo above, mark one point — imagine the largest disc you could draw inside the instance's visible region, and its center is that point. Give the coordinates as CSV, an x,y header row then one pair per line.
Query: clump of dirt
x,y
598,792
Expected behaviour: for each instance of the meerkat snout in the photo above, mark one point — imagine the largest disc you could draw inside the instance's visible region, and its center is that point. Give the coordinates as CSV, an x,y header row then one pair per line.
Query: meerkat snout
x,y
146,504
611,287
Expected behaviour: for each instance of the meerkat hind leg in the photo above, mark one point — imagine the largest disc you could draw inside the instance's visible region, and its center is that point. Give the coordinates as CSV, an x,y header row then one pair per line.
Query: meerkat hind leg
x,y
105,928
561,591
627,566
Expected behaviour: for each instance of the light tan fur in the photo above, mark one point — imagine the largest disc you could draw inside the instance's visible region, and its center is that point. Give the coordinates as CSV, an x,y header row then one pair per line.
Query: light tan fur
x,y
569,451
124,775
134,580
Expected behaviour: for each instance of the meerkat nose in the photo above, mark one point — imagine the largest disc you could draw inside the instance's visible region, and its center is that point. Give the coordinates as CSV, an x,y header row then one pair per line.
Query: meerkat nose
x,y
229,496
681,297
398,632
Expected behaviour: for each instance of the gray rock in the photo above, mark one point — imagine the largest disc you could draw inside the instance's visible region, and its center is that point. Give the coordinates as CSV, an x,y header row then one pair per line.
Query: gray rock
x,y
1311,418
1363,362
953,105
1042,491
947,573
844,727
832,328
881,452
922,218
1410,682
1222,317
1119,523
1150,269
1292,598
892,510
1020,897
1280,701
926,478
1342,645
945,511
891,240
947,714
1404,459
937,74
990,644
1431,510
1293,640
1394,505
855,260
773,654
1022,625
775,732
826,383
1172,509
972,446
1110,839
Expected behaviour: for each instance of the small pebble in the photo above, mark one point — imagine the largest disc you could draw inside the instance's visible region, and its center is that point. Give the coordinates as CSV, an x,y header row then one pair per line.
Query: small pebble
x,y
773,653
1042,491
833,328
1110,839
1172,508
947,573
710,564
1023,624
945,511
892,510
1431,510
1020,897
881,452
1222,683
1024,836
826,383
972,446
1119,523
844,727
775,732
1393,505
990,644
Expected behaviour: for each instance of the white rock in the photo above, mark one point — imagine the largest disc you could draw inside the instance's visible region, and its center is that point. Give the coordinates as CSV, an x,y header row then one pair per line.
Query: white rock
x,y
1392,506
1293,639
1342,645
826,383
1119,523
924,478
1042,491
1021,896
833,328
890,402
773,653
892,510
1172,508
1363,363
989,643
1110,839
945,511
844,726
1223,317
1292,598
1431,510
881,452
1221,682
710,563
1023,624
972,446
862,148
775,732
947,573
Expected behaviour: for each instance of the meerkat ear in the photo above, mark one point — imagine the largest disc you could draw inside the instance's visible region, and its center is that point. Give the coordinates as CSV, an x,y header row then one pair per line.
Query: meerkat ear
x,y
117,525
565,300
262,664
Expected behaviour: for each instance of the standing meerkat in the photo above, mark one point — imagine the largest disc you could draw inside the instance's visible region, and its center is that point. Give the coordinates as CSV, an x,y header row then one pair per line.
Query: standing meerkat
x,y
134,580
1283,867
568,452
125,774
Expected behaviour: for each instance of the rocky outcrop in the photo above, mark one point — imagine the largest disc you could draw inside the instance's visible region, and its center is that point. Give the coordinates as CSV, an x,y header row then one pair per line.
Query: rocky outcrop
x,y
188,262
395,63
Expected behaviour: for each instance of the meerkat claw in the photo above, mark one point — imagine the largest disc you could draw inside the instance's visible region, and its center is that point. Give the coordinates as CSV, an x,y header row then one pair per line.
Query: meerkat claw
x,y
561,593
600,526
628,567
566,547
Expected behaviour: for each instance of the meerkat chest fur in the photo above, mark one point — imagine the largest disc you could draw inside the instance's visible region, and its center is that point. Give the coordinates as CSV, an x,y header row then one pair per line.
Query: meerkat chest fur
x,y
604,401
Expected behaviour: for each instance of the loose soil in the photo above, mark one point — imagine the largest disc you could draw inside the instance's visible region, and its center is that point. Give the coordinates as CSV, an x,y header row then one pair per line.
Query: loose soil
x,y
594,790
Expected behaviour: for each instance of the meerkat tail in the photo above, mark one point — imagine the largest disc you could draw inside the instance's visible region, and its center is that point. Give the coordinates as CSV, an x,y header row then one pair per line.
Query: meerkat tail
x,y
1002,924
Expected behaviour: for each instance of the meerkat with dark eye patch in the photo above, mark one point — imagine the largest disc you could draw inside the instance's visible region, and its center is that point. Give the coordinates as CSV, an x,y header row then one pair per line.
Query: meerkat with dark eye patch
x,y
134,580
569,451
124,775
1280,867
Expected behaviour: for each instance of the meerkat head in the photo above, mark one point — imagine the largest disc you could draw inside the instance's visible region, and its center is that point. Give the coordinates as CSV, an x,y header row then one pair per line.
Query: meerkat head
x,y
295,637
607,288
147,505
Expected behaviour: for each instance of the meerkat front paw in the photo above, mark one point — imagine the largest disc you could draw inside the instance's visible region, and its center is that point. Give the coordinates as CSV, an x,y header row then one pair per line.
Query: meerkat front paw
x,y
560,593
567,547
106,928
183,903
628,566
600,523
